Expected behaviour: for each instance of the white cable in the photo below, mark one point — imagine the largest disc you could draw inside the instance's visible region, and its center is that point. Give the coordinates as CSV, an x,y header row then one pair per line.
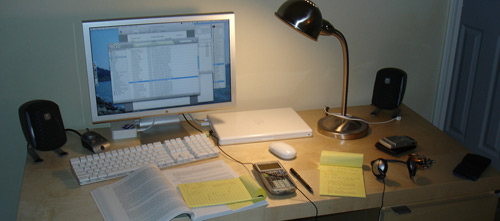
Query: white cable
x,y
149,127
204,123
349,117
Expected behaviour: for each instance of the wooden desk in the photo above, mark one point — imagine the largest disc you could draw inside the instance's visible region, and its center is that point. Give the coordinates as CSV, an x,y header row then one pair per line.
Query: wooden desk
x,y
50,191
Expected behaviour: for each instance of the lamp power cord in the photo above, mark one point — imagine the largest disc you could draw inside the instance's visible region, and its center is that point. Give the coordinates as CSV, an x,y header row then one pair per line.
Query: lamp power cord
x,y
350,117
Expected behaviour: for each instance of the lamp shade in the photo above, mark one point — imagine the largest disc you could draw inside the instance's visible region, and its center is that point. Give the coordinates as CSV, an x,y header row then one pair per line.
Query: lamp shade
x,y
303,15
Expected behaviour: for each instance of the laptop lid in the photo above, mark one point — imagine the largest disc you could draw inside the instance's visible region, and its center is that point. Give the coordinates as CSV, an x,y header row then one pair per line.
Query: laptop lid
x,y
258,125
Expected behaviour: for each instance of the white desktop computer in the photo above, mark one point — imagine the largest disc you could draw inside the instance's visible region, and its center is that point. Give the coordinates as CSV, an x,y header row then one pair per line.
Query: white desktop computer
x,y
140,69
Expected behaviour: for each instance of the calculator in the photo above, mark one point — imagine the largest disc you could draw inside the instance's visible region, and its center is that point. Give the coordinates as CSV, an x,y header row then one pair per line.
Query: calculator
x,y
275,178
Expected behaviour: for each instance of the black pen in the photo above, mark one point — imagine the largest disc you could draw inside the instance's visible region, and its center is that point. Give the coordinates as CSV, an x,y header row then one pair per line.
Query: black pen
x,y
301,180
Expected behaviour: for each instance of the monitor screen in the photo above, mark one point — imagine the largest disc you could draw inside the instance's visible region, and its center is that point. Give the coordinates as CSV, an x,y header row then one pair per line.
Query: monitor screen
x,y
145,67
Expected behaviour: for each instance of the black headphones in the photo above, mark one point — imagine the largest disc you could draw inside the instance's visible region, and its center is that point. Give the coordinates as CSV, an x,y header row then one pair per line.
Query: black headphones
x,y
379,167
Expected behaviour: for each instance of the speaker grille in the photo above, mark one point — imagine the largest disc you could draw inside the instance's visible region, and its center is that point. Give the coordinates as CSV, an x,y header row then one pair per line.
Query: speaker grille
x,y
44,127
390,85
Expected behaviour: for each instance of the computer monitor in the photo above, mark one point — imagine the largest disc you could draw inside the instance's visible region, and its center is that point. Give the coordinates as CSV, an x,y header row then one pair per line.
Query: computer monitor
x,y
147,67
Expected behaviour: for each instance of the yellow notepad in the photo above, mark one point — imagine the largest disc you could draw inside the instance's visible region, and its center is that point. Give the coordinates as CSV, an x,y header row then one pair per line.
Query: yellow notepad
x,y
227,191
341,174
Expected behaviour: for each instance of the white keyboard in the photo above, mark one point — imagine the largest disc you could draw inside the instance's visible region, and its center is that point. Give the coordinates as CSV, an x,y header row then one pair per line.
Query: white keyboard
x,y
116,163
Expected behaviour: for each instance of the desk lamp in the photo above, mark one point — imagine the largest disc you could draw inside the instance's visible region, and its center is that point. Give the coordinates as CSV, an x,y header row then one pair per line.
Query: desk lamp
x,y
305,17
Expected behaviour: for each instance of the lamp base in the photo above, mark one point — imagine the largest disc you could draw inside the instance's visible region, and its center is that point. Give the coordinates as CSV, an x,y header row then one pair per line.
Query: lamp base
x,y
343,129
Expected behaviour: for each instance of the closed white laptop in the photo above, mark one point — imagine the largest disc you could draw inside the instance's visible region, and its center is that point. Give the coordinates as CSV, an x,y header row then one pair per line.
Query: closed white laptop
x,y
258,125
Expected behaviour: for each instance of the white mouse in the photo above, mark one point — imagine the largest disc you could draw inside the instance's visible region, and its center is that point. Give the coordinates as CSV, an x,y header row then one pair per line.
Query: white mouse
x,y
282,150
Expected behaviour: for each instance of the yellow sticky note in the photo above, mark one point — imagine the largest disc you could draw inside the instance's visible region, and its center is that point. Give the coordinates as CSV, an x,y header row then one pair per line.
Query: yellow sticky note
x,y
341,174
341,159
342,181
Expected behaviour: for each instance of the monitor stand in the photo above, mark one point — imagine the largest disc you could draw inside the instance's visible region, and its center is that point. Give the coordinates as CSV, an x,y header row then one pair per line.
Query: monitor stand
x,y
149,130
161,128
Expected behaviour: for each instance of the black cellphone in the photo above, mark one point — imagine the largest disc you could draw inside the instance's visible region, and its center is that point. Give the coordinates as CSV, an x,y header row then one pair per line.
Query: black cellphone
x,y
471,167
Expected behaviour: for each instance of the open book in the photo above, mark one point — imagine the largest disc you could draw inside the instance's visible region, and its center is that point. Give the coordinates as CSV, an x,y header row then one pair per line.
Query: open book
x,y
150,194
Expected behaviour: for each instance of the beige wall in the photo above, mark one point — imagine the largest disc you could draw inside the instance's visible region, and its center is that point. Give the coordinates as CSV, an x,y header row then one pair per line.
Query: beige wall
x,y
41,57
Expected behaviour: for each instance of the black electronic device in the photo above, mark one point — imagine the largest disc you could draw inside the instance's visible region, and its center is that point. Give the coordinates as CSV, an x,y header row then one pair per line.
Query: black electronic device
x,y
275,178
472,166
395,151
43,127
396,144
389,90
380,167
95,142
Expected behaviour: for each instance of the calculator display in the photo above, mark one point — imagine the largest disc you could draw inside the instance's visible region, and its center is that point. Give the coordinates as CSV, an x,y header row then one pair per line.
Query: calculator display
x,y
269,166
275,178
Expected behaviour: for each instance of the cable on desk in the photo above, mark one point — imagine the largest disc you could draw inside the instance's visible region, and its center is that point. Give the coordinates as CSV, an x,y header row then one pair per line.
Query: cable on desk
x,y
359,119
315,207
382,204
185,118
74,131
211,133
218,145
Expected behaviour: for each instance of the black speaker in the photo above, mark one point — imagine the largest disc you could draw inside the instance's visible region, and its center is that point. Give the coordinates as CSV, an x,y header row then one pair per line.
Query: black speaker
x,y
389,90
42,126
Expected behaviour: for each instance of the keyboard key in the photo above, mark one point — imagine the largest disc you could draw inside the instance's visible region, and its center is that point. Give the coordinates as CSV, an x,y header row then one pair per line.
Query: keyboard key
x,y
117,163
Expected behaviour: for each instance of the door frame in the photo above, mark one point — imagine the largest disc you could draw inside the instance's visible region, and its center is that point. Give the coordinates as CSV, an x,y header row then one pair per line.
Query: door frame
x,y
447,63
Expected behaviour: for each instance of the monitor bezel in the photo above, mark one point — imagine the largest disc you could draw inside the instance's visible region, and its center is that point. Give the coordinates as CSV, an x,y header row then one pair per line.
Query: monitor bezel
x,y
87,25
